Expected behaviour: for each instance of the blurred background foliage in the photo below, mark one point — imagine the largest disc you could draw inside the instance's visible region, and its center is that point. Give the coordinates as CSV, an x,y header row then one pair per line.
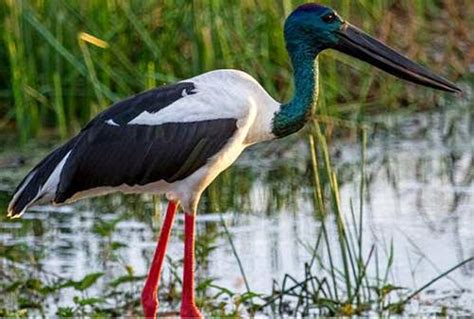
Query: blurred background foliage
x,y
64,61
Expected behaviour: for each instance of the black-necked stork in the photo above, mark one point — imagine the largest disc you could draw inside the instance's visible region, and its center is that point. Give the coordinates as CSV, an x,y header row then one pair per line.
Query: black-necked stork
x,y
176,139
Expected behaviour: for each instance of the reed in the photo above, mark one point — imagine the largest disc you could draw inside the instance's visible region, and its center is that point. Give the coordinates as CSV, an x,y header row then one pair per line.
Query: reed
x,y
344,276
150,43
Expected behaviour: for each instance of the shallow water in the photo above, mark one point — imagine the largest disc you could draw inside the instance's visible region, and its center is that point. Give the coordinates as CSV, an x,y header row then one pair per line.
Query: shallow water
x,y
419,197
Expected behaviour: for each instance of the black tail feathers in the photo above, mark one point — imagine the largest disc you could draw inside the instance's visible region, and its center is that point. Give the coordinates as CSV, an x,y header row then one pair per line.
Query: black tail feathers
x,y
24,194
36,185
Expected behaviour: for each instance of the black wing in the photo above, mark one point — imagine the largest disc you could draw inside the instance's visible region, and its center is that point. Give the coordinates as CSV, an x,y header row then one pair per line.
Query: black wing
x,y
114,154
151,101
106,155
111,156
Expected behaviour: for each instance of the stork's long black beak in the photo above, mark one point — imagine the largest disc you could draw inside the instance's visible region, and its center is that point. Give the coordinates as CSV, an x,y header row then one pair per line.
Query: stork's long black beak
x,y
356,43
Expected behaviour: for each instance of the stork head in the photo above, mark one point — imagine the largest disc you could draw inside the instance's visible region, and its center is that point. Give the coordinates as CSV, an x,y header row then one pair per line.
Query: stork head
x,y
312,28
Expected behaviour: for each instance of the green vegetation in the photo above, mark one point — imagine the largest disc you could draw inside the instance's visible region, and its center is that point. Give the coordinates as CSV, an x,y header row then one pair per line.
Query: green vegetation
x,y
63,61
343,277
351,288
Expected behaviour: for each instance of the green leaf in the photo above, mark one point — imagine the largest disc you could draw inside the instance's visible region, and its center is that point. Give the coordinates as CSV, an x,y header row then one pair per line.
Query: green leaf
x,y
105,228
396,308
101,315
382,292
28,303
88,301
117,245
129,269
65,312
14,286
34,284
125,279
222,290
249,295
69,283
88,281
204,284
50,289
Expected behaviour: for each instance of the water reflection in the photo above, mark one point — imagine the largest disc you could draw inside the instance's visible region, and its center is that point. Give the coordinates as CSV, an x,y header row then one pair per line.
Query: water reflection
x,y
419,193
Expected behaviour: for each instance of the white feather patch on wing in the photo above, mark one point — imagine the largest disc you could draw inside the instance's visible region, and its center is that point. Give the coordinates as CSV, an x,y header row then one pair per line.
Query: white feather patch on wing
x,y
218,95
51,184
111,122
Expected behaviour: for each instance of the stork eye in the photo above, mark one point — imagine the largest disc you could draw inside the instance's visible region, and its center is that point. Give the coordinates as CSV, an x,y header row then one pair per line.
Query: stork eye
x,y
329,18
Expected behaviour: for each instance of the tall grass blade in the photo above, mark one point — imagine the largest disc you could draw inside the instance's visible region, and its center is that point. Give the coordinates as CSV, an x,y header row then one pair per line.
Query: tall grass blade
x,y
59,106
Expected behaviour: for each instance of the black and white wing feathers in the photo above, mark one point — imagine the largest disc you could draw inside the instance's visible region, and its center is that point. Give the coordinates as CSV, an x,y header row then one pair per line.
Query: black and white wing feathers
x,y
110,156
111,151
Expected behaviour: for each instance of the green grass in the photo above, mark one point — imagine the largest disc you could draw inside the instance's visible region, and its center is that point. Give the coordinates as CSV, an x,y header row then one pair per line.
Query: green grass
x,y
54,79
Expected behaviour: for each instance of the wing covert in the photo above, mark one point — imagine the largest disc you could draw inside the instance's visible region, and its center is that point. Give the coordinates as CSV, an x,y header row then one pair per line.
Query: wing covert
x,y
108,156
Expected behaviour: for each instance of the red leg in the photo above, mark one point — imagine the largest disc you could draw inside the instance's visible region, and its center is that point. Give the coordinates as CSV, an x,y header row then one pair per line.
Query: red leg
x,y
188,306
150,293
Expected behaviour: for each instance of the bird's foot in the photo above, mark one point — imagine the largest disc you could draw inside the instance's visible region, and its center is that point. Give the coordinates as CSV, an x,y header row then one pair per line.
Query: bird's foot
x,y
150,305
190,311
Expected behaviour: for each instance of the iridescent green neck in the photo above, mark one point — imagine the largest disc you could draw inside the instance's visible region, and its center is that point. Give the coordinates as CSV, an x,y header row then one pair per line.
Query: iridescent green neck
x,y
294,114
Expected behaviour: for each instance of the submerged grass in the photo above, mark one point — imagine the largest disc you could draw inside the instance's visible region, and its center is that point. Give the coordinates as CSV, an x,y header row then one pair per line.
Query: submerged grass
x,y
60,69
